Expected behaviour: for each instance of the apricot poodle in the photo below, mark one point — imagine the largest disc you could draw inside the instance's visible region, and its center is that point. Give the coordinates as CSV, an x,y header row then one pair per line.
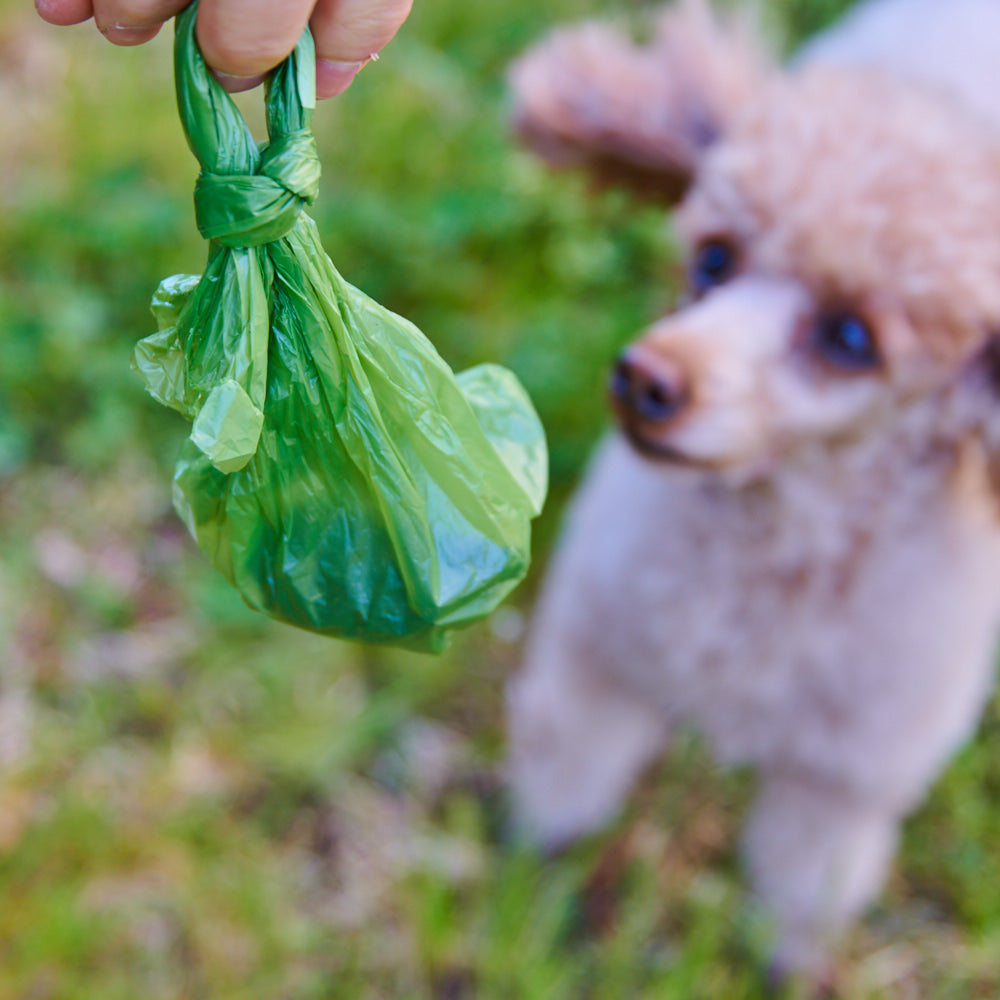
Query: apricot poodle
x,y
792,543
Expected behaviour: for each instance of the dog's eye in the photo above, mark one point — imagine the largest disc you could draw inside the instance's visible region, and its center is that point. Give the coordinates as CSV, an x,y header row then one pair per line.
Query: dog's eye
x,y
713,264
846,341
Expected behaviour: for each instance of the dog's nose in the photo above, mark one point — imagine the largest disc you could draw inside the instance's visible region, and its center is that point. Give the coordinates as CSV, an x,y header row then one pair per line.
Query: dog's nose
x,y
648,385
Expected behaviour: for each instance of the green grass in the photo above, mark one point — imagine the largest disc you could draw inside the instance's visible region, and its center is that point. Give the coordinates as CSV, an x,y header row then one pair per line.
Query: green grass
x,y
198,803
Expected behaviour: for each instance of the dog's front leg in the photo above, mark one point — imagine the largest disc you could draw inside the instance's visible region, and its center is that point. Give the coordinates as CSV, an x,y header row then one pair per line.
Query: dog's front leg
x,y
817,855
576,746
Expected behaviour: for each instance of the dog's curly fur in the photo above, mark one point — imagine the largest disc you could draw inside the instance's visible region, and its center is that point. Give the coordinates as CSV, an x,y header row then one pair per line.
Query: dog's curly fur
x,y
810,575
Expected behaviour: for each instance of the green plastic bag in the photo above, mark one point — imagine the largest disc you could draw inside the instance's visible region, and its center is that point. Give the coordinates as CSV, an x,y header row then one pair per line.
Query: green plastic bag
x,y
337,472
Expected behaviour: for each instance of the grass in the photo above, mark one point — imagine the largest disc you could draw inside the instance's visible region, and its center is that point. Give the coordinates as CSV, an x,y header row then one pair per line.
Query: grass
x,y
198,803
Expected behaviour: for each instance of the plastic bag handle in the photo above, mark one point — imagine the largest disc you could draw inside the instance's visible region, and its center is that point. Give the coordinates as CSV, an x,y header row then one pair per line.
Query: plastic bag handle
x,y
248,195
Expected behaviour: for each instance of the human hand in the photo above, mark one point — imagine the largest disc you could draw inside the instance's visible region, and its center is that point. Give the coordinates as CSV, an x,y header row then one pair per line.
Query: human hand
x,y
243,39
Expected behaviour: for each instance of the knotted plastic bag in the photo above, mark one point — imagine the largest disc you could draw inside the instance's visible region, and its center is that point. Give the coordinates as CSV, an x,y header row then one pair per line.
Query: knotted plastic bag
x,y
337,471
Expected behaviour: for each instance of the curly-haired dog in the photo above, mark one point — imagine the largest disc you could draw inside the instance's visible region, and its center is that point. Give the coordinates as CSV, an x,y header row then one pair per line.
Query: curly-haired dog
x,y
793,544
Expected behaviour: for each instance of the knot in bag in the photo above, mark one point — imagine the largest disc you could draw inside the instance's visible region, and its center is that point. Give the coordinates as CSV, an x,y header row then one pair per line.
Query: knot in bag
x,y
338,473
242,210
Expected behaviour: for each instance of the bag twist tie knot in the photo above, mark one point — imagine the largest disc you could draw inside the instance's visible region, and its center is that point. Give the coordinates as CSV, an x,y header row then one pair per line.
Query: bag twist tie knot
x,y
247,210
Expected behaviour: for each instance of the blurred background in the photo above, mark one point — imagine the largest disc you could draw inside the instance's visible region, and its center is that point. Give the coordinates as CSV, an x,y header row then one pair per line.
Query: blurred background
x,y
196,802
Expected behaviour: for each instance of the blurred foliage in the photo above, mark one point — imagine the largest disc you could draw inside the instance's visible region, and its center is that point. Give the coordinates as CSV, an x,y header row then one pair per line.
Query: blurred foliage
x,y
195,802
799,18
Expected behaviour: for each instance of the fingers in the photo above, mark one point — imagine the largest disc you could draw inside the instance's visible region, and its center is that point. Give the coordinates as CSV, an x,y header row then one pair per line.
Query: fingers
x,y
64,11
242,39
348,33
132,22
124,22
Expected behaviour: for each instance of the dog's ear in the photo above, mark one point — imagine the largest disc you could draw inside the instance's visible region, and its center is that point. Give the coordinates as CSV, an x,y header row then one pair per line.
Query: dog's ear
x,y
639,115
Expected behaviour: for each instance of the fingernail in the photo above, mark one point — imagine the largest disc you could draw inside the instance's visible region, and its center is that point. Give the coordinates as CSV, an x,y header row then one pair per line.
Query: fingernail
x,y
122,34
334,77
236,84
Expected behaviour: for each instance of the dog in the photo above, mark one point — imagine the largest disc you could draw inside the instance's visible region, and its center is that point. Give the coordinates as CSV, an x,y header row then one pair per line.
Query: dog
x,y
792,541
